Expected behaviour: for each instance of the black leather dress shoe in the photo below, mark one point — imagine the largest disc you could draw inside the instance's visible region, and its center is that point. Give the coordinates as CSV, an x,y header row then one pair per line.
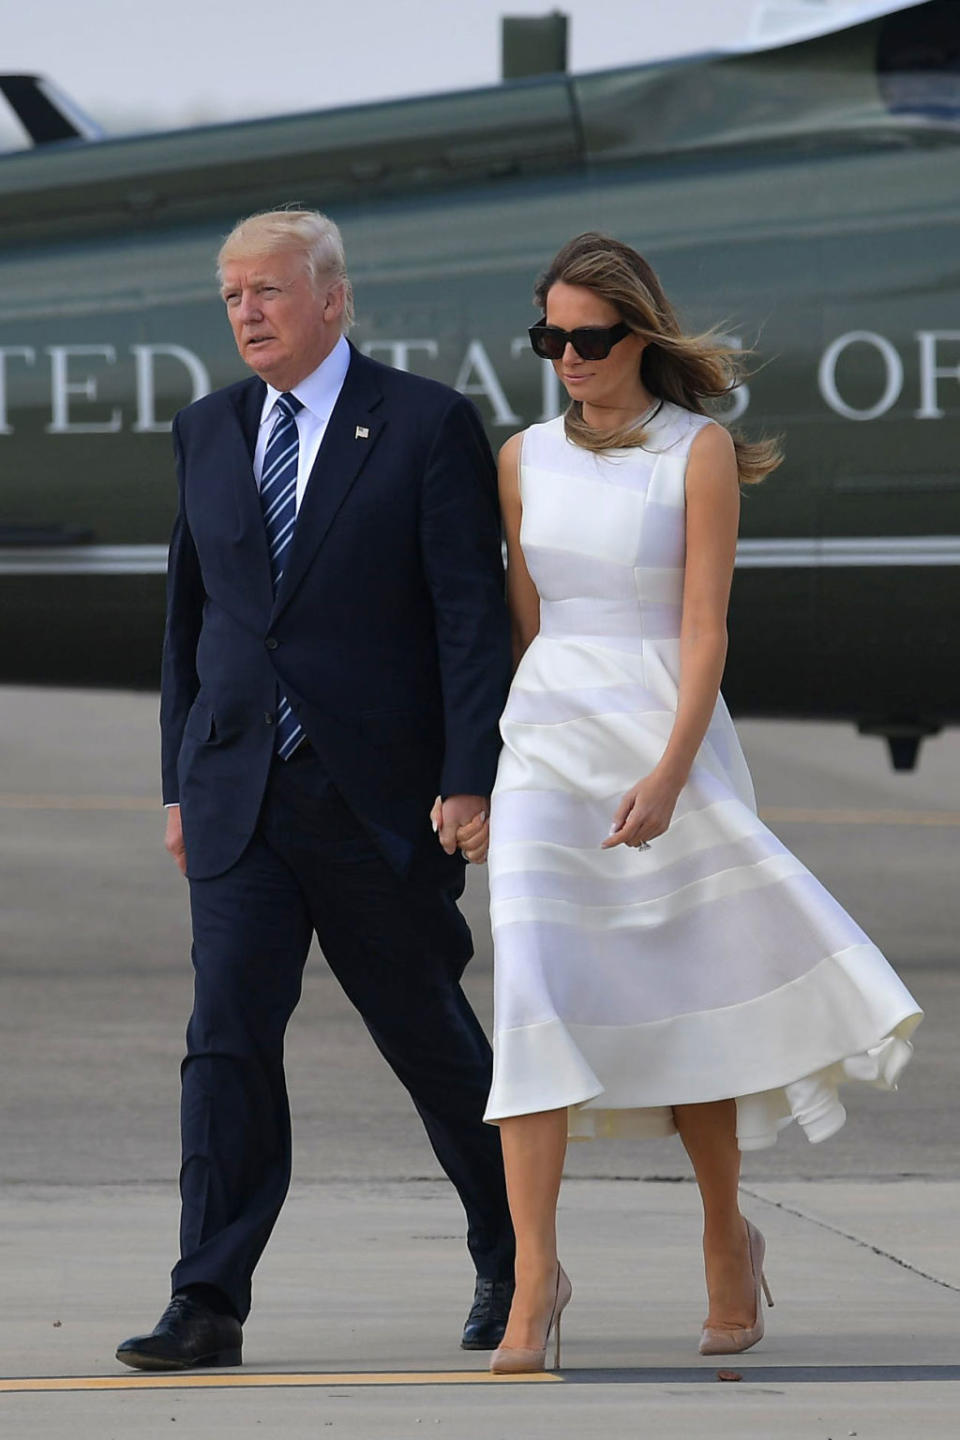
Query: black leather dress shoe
x,y
488,1315
188,1333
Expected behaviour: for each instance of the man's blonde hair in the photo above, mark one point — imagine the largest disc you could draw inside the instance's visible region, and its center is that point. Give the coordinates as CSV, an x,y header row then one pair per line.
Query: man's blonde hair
x,y
315,235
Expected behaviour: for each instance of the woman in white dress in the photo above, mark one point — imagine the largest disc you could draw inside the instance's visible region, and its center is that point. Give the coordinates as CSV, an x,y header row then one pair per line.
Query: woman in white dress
x,y
662,961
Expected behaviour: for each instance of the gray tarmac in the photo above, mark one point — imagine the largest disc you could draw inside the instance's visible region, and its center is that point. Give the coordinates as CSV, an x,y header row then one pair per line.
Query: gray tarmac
x,y
366,1273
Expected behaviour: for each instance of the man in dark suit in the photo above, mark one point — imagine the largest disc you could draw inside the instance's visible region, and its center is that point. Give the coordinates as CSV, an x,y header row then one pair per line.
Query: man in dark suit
x,y
336,654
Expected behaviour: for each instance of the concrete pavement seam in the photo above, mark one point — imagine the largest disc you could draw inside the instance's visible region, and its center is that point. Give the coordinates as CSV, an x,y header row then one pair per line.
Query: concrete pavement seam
x,y
856,1239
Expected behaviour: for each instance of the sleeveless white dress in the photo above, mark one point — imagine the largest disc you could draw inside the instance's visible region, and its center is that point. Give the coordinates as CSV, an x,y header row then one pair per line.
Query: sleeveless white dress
x,y
713,964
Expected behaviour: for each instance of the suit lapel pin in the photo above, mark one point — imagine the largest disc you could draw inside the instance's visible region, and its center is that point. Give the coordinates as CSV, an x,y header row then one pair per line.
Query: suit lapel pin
x,y
361,433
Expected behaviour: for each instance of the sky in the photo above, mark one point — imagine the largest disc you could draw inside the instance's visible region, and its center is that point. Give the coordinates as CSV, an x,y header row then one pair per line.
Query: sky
x,y
134,65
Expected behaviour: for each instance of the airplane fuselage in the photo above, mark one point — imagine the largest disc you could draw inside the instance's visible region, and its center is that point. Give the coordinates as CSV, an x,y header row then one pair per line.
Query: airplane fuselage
x,y
833,258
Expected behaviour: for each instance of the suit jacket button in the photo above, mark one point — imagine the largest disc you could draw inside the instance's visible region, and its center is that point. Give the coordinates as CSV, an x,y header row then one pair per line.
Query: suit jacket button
x,y
268,717
271,642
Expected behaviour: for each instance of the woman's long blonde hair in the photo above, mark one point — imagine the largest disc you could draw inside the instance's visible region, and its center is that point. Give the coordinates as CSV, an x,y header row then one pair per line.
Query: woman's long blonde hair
x,y
690,370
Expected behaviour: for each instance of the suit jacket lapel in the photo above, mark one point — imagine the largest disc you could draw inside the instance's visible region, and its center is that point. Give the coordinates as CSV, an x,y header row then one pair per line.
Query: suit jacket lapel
x,y
246,401
351,434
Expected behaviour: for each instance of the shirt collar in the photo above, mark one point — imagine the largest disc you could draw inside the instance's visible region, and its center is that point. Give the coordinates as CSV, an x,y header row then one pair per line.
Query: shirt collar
x,y
319,391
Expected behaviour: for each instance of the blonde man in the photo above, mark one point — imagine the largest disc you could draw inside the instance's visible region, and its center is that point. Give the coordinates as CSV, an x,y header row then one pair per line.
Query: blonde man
x,y
336,656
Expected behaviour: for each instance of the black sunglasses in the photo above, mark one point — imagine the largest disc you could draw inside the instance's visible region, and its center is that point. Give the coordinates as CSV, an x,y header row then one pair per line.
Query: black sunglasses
x,y
591,342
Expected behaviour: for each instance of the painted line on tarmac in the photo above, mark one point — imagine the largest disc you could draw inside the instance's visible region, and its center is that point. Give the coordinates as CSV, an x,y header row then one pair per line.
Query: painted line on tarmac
x,y
766,1374
652,1375
247,1381
773,814
792,814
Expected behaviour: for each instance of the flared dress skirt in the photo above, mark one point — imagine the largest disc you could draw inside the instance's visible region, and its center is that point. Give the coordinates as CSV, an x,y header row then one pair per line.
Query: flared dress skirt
x,y
712,965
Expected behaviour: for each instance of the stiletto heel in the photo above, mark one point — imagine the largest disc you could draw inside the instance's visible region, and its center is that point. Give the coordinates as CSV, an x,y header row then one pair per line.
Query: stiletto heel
x,y
731,1340
522,1360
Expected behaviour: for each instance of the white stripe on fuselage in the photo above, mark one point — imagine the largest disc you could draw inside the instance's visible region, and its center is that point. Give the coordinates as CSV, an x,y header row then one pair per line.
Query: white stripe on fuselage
x,y
807,552
853,550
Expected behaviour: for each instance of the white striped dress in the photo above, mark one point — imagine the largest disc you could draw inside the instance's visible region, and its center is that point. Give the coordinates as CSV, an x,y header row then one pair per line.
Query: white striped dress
x,y
711,965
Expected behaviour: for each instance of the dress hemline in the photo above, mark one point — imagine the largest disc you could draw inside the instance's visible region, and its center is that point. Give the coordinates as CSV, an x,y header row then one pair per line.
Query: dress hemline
x,y
781,1056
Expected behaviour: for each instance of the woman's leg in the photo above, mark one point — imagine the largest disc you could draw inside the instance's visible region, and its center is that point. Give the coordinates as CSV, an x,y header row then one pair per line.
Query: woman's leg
x,y
709,1133
534,1147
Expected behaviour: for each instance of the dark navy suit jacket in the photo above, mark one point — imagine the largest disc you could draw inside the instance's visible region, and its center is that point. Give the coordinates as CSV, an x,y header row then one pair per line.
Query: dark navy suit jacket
x,y
388,633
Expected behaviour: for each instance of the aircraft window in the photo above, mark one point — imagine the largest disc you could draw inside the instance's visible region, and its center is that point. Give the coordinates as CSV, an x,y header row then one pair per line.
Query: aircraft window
x,y
918,61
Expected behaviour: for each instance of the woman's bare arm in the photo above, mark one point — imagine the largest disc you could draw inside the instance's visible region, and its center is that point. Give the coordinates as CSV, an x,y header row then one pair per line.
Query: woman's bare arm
x,y
713,513
713,517
523,601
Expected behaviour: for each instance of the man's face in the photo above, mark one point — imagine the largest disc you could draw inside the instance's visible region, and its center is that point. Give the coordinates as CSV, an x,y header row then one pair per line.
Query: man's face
x,y
283,321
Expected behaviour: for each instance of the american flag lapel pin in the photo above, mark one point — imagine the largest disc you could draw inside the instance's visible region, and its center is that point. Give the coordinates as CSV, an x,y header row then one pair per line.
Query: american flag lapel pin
x,y
361,433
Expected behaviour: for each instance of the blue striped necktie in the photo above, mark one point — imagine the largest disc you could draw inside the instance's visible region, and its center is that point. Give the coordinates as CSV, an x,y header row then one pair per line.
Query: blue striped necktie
x,y
278,496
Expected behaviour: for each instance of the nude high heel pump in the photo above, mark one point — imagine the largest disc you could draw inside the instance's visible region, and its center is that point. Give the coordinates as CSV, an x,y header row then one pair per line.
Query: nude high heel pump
x,y
730,1341
517,1360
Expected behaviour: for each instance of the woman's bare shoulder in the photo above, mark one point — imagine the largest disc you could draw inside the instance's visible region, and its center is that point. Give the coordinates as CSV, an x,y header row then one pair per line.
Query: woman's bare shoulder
x,y
712,441
510,449
712,459
508,470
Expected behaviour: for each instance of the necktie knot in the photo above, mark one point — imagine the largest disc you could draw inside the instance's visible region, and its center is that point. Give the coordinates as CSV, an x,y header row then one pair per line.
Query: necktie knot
x,y
288,404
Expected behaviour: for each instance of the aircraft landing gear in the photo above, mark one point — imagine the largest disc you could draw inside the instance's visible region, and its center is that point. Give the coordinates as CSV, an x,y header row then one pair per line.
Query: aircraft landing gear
x,y
903,738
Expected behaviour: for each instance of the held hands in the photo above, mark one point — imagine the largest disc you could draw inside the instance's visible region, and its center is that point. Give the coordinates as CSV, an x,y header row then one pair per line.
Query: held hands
x,y
644,812
461,823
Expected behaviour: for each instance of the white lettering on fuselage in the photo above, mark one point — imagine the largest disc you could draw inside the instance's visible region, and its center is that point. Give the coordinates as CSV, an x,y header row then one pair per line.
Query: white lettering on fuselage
x,y
77,371
23,352
893,368
931,372
144,356
70,390
62,387
477,363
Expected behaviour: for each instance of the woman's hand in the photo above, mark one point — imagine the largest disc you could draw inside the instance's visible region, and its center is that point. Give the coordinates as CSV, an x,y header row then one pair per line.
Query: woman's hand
x,y
471,837
474,838
644,812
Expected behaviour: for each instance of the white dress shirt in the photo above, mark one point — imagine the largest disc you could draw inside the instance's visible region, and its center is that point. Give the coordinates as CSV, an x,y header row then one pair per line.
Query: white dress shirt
x,y
319,393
